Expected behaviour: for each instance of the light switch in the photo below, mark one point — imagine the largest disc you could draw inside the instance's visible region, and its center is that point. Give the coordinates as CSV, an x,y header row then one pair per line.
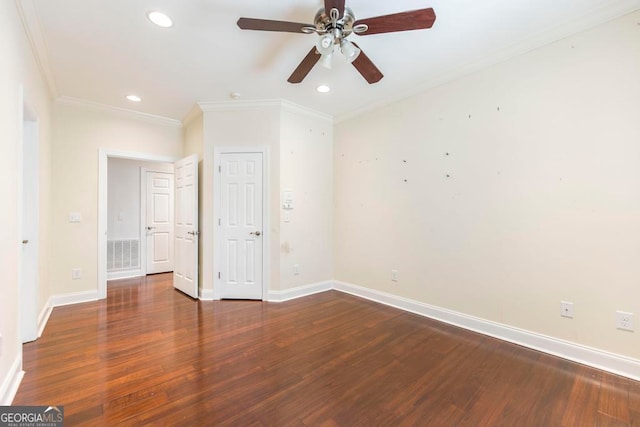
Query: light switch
x,y
120,216
75,217
287,216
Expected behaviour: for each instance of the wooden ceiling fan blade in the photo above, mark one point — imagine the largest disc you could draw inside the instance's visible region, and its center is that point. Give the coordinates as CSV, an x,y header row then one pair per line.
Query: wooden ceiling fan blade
x,y
269,25
338,4
305,66
365,67
404,21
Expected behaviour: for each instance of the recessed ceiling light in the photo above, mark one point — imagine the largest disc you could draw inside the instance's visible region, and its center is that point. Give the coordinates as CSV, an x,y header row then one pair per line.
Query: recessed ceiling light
x,y
160,19
134,98
323,89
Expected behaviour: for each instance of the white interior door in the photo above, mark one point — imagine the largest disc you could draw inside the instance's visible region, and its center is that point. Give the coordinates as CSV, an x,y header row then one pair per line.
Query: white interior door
x,y
159,222
185,271
29,232
241,225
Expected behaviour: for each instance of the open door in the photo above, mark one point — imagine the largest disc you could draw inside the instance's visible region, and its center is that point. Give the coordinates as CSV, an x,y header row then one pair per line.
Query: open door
x,y
185,271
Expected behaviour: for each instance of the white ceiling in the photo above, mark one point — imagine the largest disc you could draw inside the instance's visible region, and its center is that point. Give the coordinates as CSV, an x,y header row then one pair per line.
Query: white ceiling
x,y
102,50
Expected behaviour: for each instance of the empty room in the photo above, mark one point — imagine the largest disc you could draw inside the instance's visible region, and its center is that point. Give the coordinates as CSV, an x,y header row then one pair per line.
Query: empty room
x,y
320,213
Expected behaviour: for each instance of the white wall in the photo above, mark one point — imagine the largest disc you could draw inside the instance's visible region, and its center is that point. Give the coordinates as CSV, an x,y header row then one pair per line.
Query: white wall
x,y
306,158
79,134
542,200
18,68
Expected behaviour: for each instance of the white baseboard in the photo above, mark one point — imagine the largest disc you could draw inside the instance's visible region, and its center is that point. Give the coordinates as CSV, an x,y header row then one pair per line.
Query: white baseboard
x,y
206,294
11,382
43,318
300,291
128,274
73,298
599,359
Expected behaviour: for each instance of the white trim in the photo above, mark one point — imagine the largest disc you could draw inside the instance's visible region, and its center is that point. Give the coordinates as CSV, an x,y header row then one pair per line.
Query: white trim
x,y
599,359
33,28
11,382
122,112
127,274
73,298
206,295
266,217
43,318
299,292
103,157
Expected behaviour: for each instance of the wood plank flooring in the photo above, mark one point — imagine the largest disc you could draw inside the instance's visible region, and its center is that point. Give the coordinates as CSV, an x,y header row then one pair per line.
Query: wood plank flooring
x,y
149,355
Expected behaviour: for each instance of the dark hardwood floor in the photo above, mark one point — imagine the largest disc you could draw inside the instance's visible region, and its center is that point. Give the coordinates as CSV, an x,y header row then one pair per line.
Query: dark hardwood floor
x,y
149,355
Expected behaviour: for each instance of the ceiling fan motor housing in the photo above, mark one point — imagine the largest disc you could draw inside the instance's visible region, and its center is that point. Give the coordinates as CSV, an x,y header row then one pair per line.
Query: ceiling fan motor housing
x,y
344,25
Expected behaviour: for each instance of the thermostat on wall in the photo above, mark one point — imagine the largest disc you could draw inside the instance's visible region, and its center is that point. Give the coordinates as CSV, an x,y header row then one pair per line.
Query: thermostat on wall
x,y
287,199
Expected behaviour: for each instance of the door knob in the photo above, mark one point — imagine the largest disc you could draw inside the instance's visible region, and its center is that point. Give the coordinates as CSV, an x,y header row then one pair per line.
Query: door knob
x,y
193,233
150,228
24,242
256,233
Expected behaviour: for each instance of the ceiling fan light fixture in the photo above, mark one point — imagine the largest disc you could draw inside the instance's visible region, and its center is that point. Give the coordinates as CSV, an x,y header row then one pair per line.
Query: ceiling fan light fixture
x,y
160,19
325,44
326,60
349,50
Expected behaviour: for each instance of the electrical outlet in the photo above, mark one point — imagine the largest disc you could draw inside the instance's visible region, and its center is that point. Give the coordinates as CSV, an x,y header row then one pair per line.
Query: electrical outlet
x,y
76,273
566,309
296,269
624,320
394,275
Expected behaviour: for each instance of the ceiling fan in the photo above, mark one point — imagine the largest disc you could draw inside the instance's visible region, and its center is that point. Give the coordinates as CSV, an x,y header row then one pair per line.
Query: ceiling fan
x,y
333,24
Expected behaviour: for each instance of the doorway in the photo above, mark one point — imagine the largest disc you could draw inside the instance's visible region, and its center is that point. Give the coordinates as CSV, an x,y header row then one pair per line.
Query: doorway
x,y
29,228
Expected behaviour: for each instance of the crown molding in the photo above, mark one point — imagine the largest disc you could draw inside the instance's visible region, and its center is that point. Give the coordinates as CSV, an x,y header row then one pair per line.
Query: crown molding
x,y
540,40
37,41
262,105
213,106
122,112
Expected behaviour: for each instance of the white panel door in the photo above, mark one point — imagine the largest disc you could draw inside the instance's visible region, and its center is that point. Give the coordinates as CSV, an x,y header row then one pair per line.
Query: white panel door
x,y
159,222
241,225
185,271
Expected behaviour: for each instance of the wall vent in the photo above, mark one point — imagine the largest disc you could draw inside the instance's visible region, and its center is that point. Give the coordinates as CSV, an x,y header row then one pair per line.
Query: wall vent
x,y
123,254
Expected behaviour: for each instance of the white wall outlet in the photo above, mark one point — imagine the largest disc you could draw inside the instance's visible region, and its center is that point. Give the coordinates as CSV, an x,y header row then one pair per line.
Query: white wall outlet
x,y
76,273
296,269
394,275
75,217
287,216
624,320
566,309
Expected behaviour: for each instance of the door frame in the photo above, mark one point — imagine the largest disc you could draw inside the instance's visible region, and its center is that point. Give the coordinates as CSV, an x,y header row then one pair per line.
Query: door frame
x,y
29,328
217,211
103,156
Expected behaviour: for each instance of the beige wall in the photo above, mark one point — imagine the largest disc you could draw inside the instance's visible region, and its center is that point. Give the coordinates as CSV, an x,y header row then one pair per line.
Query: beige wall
x,y
79,134
542,200
18,68
252,127
300,146
306,160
